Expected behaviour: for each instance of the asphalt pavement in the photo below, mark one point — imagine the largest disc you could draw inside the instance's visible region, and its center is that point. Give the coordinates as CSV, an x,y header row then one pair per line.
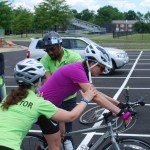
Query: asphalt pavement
x,y
136,74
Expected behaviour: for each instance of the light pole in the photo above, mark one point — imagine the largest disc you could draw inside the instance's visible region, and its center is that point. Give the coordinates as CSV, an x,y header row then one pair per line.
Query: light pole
x,y
126,28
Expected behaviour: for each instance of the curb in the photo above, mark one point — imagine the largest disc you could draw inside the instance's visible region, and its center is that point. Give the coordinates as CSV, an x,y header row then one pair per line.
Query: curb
x,y
21,48
12,47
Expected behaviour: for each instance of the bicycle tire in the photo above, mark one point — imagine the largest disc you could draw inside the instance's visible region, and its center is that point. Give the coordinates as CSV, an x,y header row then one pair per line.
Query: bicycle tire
x,y
129,144
94,115
34,142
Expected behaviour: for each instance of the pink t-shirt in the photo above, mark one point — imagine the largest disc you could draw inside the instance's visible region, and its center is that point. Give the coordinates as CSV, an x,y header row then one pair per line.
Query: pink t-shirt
x,y
63,83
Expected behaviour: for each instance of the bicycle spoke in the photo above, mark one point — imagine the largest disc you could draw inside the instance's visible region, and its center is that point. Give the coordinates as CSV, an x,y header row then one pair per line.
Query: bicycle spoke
x,y
130,144
32,143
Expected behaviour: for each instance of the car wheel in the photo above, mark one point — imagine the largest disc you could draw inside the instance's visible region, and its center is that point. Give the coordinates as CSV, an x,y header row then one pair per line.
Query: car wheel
x,y
113,67
111,71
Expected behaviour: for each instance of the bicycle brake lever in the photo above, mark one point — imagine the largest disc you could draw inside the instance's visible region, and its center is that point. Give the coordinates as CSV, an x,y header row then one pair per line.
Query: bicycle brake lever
x,y
141,101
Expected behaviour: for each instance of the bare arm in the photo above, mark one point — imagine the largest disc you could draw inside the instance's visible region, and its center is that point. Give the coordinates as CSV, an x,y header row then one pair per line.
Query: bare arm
x,y
115,102
66,116
102,100
47,75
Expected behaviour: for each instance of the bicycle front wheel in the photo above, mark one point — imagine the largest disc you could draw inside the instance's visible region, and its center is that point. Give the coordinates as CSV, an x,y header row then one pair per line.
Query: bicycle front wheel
x,y
34,142
129,144
92,115
95,114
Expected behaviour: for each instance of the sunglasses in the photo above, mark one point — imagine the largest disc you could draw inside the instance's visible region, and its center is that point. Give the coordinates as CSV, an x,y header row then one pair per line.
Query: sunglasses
x,y
101,68
52,48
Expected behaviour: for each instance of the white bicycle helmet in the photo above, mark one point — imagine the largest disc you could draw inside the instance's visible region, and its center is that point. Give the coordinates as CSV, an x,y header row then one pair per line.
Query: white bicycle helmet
x,y
99,55
52,38
28,70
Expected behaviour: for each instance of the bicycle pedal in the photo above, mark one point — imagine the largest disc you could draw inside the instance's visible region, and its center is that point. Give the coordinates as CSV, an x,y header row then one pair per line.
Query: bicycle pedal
x,y
90,145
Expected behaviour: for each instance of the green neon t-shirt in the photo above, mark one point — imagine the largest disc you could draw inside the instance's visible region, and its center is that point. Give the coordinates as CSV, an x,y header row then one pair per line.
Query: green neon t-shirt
x,y
18,119
68,58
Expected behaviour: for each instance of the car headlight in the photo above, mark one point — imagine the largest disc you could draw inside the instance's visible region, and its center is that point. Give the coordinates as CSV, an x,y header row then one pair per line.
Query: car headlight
x,y
121,55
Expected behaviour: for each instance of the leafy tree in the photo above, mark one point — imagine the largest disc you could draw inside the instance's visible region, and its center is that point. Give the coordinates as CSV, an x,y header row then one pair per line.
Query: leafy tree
x,y
130,15
147,17
22,21
5,15
106,14
51,14
139,16
142,27
87,15
76,14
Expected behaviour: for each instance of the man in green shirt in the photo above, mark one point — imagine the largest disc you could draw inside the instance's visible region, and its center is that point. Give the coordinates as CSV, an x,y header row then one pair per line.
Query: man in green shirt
x,y
56,57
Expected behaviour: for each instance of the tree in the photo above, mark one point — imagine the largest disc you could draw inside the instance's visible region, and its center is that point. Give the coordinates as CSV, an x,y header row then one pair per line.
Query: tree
x,y
22,21
76,14
130,15
51,14
87,15
140,16
106,14
5,15
147,17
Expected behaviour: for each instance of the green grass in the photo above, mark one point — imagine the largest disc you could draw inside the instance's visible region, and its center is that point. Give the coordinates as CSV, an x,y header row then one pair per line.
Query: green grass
x,y
135,41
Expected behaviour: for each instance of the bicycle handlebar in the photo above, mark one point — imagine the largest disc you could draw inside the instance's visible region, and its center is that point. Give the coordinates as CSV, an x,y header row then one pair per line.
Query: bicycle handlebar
x,y
129,105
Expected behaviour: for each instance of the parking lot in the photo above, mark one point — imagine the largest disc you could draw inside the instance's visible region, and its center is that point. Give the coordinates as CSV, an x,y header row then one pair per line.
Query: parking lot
x,y
136,75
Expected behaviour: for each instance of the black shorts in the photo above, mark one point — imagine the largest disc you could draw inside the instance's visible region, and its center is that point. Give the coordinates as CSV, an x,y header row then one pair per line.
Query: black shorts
x,y
5,148
48,126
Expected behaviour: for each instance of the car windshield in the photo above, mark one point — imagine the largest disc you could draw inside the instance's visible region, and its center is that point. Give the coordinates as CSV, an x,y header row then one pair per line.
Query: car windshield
x,y
89,41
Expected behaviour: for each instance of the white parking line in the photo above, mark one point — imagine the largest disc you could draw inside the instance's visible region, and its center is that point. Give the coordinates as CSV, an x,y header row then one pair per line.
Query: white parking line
x,y
140,59
135,69
119,77
96,104
87,138
139,63
110,88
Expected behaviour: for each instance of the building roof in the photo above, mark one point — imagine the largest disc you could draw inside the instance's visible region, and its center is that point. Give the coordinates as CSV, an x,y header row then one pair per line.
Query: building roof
x,y
124,21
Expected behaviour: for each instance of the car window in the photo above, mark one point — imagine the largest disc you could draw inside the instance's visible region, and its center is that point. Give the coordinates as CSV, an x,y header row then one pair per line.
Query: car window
x,y
78,44
66,43
40,45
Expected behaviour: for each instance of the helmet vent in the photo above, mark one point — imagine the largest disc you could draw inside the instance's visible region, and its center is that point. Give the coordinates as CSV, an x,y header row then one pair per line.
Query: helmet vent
x,y
91,47
93,51
87,51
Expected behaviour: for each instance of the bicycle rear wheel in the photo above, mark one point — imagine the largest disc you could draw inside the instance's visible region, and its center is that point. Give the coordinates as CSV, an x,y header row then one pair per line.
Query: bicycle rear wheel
x,y
129,144
34,142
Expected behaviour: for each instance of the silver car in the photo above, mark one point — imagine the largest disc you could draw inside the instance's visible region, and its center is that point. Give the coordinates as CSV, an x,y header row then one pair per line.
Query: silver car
x,y
78,44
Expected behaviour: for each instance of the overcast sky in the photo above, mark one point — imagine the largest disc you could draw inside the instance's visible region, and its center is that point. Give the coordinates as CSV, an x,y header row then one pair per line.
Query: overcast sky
x,y
142,6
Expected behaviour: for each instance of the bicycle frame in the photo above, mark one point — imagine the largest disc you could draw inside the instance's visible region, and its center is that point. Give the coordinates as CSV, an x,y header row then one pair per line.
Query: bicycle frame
x,y
109,133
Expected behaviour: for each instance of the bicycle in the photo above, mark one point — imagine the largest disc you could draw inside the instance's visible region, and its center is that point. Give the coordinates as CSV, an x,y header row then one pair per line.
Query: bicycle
x,y
95,114
110,140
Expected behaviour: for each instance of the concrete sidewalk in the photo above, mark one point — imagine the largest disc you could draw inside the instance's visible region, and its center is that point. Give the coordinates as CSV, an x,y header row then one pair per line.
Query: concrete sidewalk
x,y
11,47
2,50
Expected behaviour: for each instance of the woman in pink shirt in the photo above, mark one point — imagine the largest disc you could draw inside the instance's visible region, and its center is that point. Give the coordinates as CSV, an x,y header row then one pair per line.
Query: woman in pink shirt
x,y
71,78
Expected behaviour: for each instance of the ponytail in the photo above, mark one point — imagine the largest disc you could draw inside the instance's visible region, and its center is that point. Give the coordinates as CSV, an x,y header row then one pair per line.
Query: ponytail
x,y
15,96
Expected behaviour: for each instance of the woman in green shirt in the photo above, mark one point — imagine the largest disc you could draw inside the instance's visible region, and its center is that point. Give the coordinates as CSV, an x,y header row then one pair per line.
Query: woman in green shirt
x,y
22,106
